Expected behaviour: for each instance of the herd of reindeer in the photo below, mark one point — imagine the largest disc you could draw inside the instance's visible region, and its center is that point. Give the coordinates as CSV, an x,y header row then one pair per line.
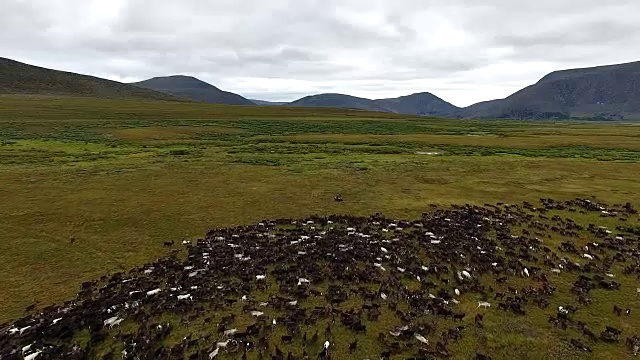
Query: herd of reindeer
x,y
342,287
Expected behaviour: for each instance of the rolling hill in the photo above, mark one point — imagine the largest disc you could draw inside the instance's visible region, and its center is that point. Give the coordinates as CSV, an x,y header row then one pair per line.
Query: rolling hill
x,y
418,104
194,89
339,101
415,104
604,92
17,78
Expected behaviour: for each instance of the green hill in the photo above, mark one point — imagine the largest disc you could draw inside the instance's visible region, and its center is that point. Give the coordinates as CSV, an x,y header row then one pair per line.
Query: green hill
x,y
415,104
419,104
17,78
339,101
191,88
604,92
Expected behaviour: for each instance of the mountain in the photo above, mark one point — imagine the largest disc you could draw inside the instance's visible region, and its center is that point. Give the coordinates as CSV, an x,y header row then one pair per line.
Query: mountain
x,y
603,92
339,101
191,88
268,103
419,104
17,78
415,104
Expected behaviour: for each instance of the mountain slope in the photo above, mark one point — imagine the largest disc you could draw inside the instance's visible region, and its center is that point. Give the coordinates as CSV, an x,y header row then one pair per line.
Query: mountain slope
x,y
192,88
418,104
611,91
23,79
339,101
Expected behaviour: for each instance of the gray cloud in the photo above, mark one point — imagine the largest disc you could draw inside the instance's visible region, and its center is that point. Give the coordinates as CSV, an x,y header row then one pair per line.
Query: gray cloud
x,y
462,50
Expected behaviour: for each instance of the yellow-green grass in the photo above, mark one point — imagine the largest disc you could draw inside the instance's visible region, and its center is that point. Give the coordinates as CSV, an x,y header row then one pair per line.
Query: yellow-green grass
x,y
121,177
629,140
69,108
120,213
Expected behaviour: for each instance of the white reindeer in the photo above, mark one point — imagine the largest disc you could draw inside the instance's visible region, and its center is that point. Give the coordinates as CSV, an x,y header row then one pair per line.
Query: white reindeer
x,y
110,321
484,304
422,339
185,297
115,323
32,356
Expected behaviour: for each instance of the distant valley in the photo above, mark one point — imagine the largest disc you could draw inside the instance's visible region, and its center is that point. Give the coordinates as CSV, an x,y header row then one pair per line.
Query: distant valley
x,y
268,103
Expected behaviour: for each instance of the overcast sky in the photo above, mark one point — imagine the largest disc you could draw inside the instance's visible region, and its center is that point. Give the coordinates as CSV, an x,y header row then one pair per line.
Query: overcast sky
x,y
463,51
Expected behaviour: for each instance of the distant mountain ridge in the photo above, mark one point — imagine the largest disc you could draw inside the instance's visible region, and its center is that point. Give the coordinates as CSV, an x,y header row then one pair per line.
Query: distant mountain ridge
x,y
340,101
191,88
610,92
415,104
425,104
18,78
606,92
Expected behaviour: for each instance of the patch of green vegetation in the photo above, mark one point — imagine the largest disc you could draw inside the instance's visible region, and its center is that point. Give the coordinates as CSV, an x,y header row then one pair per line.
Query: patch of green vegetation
x,y
300,126
330,149
179,152
259,160
580,152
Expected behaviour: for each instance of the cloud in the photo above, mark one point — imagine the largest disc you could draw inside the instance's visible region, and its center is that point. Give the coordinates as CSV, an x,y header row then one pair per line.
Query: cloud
x,y
463,51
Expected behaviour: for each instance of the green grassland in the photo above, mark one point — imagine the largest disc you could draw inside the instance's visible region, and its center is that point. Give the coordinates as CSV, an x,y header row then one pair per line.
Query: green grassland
x,y
120,177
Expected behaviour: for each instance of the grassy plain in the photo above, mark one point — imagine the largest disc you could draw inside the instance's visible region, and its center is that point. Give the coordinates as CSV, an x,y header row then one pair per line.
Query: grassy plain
x,y
121,177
